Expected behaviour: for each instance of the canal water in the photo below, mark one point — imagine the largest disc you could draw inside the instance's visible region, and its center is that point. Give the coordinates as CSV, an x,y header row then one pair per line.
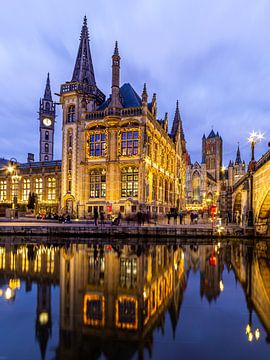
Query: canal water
x,y
122,301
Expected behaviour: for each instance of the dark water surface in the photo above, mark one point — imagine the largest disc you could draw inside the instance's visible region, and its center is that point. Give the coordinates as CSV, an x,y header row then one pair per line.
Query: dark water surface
x,y
93,301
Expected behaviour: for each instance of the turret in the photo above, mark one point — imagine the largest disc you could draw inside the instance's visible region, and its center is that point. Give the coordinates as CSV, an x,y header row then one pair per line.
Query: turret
x,y
115,99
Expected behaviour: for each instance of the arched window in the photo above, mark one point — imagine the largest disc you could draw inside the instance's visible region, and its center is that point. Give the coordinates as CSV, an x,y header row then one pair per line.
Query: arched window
x,y
70,139
26,189
154,188
129,182
46,157
51,185
47,107
46,135
196,184
71,114
46,147
98,183
129,142
38,188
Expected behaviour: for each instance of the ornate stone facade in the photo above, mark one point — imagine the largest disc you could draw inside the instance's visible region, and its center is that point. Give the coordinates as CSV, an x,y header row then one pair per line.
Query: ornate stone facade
x,y
117,156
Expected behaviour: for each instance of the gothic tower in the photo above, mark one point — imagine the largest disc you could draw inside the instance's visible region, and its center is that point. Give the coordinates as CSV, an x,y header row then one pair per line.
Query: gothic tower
x,y
78,96
46,124
43,319
212,154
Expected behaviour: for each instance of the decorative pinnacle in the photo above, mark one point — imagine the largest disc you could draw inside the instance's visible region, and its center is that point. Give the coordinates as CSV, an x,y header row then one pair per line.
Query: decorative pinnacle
x,y
116,52
84,32
144,93
47,93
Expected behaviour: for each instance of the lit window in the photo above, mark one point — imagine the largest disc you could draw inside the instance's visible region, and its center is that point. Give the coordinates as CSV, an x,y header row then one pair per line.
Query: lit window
x,y
129,142
51,185
46,157
46,147
38,188
3,190
97,144
71,114
26,189
47,135
129,182
98,183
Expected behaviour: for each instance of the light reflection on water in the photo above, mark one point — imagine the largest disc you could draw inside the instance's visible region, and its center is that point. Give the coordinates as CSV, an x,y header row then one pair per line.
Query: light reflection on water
x,y
122,301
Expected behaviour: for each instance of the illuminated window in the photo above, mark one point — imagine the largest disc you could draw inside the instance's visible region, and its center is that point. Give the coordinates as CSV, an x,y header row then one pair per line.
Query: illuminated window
x,y
97,144
129,142
71,114
46,147
128,273
3,190
38,188
126,312
47,135
26,189
14,187
129,182
51,185
154,188
46,158
155,152
196,182
98,183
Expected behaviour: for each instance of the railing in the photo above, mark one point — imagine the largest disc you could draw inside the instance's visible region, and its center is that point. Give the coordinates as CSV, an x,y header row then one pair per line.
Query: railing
x,y
83,87
264,159
136,111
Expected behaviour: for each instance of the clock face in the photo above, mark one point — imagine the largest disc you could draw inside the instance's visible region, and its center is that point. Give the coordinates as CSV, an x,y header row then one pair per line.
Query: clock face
x,y
47,122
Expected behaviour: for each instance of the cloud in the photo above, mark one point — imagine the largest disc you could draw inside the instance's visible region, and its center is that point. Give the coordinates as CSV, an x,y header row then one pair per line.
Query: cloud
x,y
210,55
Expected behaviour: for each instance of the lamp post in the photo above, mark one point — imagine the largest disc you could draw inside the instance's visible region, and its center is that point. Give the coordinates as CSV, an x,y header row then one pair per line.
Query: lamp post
x,y
254,138
12,169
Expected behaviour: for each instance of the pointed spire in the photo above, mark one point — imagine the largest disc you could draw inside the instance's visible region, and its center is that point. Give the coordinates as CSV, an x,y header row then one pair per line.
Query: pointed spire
x,y
116,52
83,70
144,94
47,93
177,123
166,122
238,160
115,98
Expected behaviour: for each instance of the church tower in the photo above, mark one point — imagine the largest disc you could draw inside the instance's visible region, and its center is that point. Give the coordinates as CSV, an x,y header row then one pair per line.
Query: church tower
x,y
46,124
212,154
78,96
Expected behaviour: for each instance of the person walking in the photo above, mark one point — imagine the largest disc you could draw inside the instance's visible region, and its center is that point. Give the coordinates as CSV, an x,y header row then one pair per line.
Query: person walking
x,y
181,217
96,217
102,218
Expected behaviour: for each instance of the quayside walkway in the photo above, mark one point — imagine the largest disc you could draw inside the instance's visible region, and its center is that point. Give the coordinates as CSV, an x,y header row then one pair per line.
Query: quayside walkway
x,y
124,230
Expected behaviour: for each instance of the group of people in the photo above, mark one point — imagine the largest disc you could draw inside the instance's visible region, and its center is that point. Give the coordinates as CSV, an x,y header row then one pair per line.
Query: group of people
x,y
115,220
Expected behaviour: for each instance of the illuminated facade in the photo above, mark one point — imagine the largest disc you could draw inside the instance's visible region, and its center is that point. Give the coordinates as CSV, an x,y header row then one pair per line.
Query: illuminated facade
x,y
117,156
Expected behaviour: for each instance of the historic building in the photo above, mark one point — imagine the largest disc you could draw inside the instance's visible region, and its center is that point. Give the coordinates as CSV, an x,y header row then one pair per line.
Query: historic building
x,y
117,156
210,183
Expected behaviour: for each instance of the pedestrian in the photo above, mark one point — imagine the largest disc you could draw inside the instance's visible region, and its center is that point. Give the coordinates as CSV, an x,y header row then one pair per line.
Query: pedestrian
x,y
175,218
181,216
102,217
191,218
96,217
139,217
169,218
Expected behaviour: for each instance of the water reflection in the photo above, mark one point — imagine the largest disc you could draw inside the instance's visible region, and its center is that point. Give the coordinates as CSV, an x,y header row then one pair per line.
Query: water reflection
x,y
113,298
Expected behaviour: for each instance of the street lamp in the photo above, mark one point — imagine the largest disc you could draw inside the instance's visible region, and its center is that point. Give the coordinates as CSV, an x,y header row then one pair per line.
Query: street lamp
x,y
254,138
12,169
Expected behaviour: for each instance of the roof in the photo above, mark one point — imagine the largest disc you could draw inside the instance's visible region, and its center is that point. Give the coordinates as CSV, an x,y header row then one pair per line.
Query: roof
x,y
38,164
211,135
3,162
129,98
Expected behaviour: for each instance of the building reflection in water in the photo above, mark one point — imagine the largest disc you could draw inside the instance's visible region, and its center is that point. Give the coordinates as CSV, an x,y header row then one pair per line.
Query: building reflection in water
x,y
31,264
112,298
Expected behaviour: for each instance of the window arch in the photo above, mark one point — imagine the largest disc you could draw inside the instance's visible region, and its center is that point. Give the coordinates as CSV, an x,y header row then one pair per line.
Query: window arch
x,y
46,147
46,157
71,114
69,138
98,183
129,182
196,185
46,135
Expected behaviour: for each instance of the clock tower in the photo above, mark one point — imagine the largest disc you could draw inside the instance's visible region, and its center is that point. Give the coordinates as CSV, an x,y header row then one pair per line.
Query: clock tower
x,y
46,126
